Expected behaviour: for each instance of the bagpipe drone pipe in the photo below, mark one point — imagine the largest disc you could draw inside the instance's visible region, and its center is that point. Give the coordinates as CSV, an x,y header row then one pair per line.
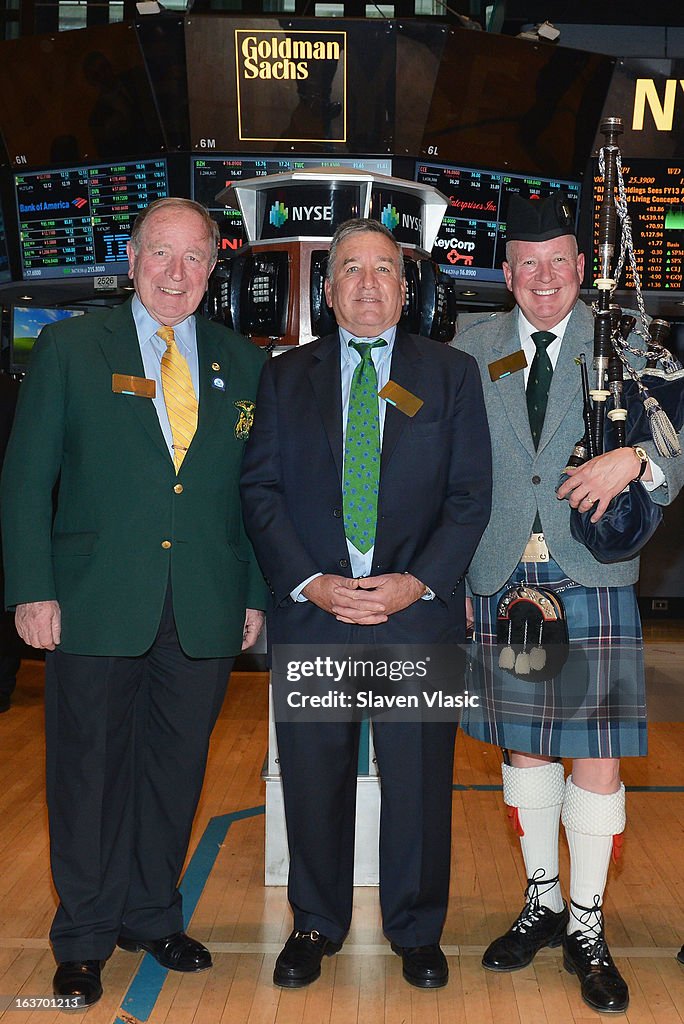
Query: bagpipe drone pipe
x,y
636,389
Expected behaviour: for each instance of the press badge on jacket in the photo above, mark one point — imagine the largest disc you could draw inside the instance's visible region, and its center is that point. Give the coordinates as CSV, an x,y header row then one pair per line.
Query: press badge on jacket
x,y
125,384
508,365
400,398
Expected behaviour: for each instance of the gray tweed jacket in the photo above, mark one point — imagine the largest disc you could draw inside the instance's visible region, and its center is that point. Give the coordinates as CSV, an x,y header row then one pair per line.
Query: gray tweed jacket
x,y
525,480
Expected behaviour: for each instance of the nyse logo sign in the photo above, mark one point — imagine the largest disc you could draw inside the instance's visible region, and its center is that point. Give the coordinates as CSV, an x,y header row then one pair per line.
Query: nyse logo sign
x,y
307,213
279,214
291,85
311,210
660,100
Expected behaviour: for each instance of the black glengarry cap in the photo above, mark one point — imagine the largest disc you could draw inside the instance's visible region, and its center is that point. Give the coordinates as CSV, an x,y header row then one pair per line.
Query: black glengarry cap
x,y
537,220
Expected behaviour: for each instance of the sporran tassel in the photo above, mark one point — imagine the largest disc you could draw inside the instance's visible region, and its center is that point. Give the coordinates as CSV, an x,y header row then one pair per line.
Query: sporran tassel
x,y
522,662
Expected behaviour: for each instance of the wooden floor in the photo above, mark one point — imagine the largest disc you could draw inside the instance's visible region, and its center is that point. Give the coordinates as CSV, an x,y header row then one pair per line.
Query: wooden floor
x,y
245,924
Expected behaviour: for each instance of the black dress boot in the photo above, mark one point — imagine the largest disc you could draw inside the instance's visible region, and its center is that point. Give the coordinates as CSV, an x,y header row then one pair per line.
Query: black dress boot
x,y
535,927
586,954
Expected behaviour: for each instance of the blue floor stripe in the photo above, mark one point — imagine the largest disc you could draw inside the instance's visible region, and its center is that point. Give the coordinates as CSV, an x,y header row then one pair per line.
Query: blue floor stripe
x,y
147,983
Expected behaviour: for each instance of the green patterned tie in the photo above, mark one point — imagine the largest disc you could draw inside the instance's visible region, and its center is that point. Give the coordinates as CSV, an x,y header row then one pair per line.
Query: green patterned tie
x,y
362,451
538,384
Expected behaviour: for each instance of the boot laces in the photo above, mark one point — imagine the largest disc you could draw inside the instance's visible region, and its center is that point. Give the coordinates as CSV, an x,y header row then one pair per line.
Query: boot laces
x,y
591,938
534,911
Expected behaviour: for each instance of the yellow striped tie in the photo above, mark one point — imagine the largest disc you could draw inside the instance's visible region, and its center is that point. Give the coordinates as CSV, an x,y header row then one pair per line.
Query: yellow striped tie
x,y
179,396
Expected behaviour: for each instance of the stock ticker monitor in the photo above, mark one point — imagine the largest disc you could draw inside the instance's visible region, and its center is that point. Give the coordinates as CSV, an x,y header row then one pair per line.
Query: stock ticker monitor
x,y
655,204
211,175
27,323
76,221
471,242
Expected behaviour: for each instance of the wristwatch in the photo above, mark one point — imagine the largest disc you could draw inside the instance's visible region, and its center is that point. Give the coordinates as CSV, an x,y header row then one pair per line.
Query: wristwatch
x,y
643,457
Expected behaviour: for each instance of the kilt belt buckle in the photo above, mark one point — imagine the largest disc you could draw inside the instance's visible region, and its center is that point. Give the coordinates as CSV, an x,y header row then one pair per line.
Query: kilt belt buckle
x,y
536,549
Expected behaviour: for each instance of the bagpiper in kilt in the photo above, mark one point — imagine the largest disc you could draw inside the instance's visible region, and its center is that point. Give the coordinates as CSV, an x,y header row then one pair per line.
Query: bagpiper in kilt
x,y
593,708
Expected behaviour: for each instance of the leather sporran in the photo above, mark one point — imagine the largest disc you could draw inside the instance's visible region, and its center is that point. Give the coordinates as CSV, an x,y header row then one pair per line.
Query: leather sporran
x,y
532,632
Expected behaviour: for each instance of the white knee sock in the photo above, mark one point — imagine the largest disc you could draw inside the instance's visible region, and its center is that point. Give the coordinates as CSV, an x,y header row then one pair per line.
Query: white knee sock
x,y
537,794
590,820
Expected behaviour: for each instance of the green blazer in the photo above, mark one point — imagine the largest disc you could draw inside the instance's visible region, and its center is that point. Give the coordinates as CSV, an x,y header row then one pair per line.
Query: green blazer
x,y
124,522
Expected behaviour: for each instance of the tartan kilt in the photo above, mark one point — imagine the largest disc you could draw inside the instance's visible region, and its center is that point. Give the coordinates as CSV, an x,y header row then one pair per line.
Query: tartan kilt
x,y
595,706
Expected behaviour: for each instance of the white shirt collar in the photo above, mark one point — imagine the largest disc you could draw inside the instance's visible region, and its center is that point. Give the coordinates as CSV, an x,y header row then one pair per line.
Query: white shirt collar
x,y
526,330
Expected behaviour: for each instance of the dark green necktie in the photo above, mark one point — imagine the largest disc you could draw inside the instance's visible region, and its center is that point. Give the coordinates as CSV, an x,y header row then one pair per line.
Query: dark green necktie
x,y
538,384
362,451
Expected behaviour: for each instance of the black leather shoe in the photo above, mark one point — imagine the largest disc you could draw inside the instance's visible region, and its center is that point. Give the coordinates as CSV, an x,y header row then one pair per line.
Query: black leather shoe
x,y
78,979
177,952
299,962
586,954
535,927
423,966
680,955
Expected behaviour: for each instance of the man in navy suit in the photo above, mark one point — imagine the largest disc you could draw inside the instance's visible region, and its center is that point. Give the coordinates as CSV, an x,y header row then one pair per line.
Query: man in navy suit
x,y
403,585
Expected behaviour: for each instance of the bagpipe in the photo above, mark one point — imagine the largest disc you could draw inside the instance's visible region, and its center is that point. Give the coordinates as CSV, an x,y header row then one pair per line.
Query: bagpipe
x,y
636,388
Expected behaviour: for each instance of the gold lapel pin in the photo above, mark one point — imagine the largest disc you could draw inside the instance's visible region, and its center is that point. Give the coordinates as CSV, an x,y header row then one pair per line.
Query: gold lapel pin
x,y
215,366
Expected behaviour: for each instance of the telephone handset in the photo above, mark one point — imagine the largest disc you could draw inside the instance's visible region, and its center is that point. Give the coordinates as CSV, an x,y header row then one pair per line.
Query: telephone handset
x,y
263,294
322,317
437,303
411,314
430,307
249,293
218,291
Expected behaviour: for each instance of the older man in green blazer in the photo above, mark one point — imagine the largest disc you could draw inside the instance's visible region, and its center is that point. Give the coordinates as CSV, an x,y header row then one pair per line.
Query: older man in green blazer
x,y
141,586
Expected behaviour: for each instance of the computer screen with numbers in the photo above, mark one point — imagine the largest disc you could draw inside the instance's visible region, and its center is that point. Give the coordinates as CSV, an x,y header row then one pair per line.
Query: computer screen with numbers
x,y
76,221
471,242
654,190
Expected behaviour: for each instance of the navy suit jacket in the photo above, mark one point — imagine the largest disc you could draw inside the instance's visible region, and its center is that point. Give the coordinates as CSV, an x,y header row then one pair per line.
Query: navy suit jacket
x,y
434,496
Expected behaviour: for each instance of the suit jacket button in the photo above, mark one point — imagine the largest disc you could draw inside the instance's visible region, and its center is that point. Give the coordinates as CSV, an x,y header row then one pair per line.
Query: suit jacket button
x,y
166,544
178,488
536,479
344,563
337,512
